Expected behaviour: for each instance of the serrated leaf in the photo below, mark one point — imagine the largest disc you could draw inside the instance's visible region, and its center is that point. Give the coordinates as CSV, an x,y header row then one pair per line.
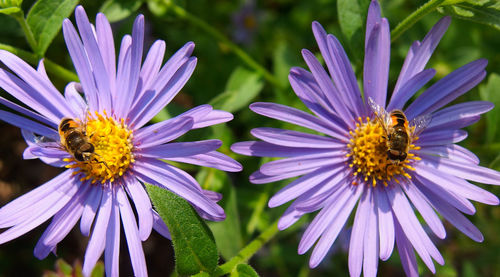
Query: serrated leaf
x,y
244,270
241,88
45,20
116,10
484,12
194,244
10,10
489,92
352,18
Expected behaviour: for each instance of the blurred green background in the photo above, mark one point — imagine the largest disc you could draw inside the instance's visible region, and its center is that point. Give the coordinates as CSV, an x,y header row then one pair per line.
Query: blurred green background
x,y
272,32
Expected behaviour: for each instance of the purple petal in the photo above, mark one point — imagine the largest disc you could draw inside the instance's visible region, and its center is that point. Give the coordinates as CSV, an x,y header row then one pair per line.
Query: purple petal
x,y
412,228
132,234
294,138
328,224
43,211
420,53
339,67
90,210
373,17
358,233
326,85
452,152
385,224
302,162
162,132
112,249
463,170
61,224
81,63
143,207
214,117
310,94
448,89
294,116
22,208
106,45
450,116
371,247
454,217
425,210
440,137
129,86
265,149
180,149
406,254
29,96
376,64
27,124
303,184
212,159
410,88
159,177
44,88
97,241
260,178
75,100
342,210
100,74
456,185
172,77
27,112
160,226
457,201
150,68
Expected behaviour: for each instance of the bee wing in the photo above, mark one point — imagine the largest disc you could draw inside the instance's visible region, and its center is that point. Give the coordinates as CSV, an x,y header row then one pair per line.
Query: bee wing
x,y
420,123
382,115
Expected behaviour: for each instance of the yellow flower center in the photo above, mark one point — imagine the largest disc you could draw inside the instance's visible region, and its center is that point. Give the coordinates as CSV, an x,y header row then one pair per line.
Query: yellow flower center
x,y
113,149
368,154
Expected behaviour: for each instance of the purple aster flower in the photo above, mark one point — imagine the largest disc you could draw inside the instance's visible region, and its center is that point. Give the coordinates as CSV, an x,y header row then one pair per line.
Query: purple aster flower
x,y
359,161
99,181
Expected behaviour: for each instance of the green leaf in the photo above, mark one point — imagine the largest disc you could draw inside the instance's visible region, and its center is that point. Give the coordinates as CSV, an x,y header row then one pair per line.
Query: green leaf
x,y
116,10
489,92
352,18
10,10
45,20
241,88
64,267
244,270
227,233
484,12
194,244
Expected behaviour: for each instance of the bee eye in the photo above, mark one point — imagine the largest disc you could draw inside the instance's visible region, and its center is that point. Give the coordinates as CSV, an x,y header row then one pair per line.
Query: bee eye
x,y
79,156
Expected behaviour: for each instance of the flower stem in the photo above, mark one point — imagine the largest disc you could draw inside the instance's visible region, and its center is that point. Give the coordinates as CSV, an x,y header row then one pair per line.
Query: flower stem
x,y
245,57
19,16
246,253
414,17
51,67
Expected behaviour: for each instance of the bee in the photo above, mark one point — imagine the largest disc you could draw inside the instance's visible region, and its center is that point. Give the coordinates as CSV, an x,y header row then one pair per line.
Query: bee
x,y
398,131
75,140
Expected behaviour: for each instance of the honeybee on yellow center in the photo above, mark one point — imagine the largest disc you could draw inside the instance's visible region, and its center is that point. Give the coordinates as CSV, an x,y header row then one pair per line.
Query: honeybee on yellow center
x,y
399,133
75,140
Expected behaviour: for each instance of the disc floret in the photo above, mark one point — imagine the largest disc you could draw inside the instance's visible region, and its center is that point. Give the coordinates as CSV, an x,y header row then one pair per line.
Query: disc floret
x,y
113,153
368,154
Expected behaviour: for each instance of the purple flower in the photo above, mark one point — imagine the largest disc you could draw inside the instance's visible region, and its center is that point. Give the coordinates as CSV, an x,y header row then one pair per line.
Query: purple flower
x,y
97,184
356,162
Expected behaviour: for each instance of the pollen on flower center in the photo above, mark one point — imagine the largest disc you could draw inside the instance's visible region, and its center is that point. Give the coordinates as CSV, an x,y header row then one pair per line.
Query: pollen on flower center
x,y
113,149
368,154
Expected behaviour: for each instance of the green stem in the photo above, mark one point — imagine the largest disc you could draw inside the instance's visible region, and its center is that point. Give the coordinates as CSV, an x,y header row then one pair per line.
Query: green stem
x,y
182,13
414,17
19,16
50,66
246,253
